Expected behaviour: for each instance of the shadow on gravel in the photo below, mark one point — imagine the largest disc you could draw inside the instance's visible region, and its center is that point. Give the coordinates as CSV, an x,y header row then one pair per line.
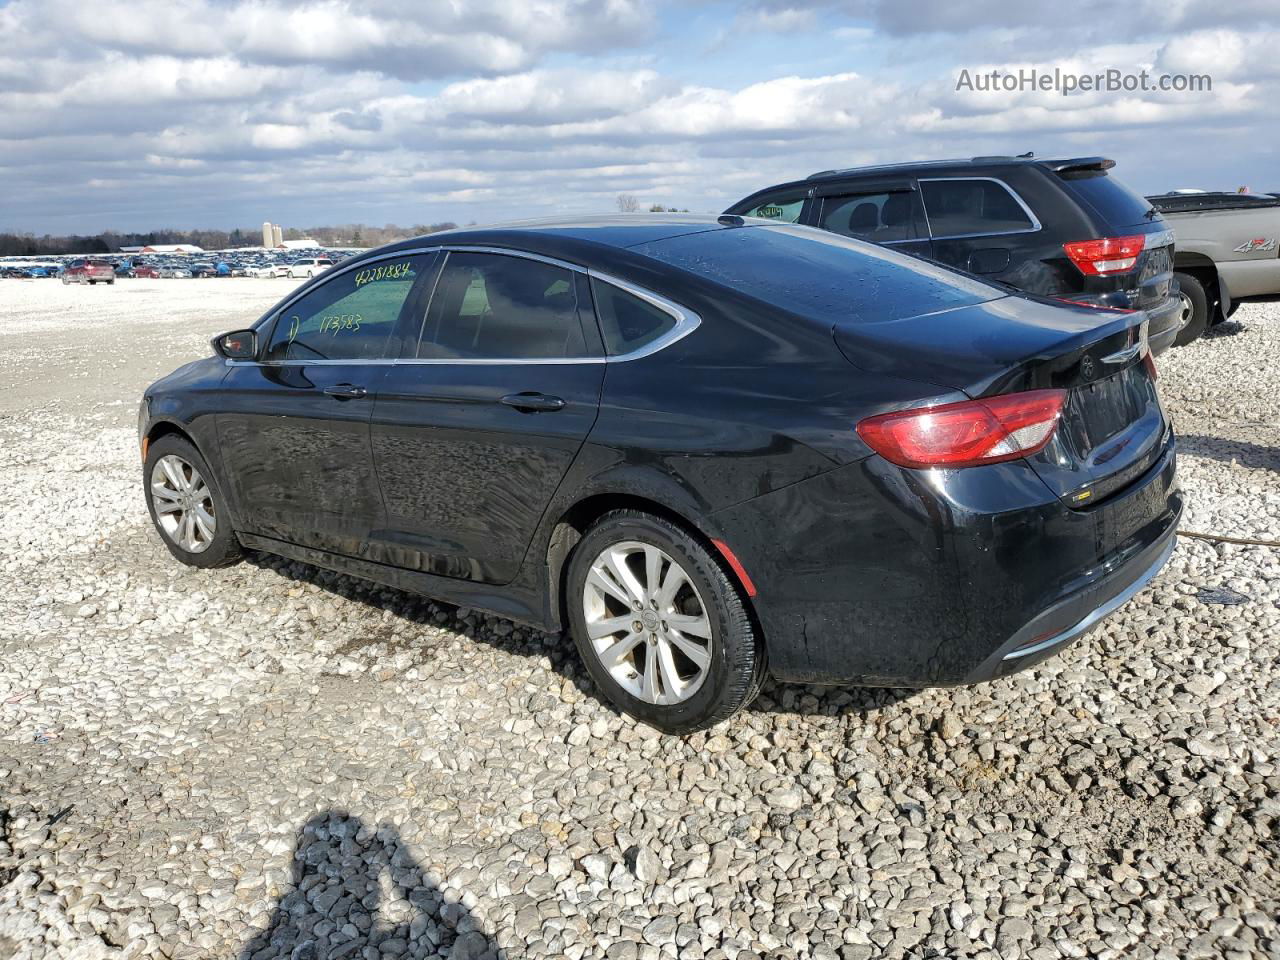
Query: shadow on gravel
x,y
811,700
1228,328
358,888
526,642
1224,449
411,608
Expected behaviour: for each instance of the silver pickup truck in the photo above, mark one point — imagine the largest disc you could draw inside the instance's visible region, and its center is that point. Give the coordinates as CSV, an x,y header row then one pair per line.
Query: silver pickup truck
x,y
1226,250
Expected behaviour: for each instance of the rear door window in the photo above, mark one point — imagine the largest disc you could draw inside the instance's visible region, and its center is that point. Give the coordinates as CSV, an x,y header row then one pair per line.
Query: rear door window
x,y
349,316
495,307
966,207
878,217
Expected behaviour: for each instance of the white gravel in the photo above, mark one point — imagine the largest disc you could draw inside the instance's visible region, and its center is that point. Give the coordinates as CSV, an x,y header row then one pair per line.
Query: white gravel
x,y
274,761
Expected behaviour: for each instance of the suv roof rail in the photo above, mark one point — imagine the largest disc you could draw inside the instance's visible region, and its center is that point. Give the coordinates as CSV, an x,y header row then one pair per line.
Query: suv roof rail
x,y
1078,164
1001,158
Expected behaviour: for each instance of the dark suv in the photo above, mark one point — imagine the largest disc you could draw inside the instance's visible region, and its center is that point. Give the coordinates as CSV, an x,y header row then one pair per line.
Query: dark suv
x,y
1058,228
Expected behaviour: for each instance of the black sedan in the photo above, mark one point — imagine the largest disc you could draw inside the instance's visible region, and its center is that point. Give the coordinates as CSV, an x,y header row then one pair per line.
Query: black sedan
x,y
712,449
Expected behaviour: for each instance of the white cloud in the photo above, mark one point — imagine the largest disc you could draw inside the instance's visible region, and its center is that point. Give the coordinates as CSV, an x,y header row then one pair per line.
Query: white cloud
x,y
231,112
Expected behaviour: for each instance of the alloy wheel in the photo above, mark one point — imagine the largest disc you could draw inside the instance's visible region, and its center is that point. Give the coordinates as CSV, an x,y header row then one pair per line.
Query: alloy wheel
x,y
647,623
183,504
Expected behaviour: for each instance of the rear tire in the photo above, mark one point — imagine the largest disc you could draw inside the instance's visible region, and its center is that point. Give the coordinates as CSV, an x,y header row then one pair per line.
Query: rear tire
x,y
1196,302
186,506
666,673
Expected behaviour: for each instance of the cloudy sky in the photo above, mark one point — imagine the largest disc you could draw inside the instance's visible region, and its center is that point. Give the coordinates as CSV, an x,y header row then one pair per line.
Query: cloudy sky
x,y
221,113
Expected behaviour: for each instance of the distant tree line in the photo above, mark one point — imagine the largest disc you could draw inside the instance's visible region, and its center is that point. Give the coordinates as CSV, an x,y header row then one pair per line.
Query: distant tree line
x,y
342,235
627,203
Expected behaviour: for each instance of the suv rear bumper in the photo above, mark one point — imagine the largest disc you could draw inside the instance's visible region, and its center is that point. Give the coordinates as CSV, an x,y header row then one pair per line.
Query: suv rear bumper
x,y
1164,323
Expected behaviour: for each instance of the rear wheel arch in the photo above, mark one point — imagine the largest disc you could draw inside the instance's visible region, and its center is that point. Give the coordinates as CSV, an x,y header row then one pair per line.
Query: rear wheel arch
x,y
575,521
1202,268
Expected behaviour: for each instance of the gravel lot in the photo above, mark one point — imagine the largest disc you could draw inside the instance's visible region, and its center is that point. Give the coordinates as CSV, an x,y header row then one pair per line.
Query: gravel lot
x,y
275,761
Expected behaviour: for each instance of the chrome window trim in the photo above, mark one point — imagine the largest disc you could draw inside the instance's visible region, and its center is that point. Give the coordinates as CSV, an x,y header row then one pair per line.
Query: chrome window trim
x,y
1035,227
686,320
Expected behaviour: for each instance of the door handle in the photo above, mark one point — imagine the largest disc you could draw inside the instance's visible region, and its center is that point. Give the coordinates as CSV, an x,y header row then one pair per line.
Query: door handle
x,y
346,391
533,402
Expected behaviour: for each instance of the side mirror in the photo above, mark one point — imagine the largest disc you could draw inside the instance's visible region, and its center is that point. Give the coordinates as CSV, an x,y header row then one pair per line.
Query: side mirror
x,y
237,345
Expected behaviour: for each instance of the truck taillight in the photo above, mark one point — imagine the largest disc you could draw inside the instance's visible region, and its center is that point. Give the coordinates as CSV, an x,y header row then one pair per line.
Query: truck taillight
x,y
1107,255
966,434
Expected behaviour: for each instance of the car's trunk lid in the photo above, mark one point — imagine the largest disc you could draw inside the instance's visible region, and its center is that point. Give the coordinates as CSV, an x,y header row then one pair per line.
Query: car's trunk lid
x,y
1112,429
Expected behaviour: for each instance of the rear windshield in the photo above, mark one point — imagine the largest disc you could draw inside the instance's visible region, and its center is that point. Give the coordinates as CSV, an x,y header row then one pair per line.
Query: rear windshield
x,y
818,274
1109,197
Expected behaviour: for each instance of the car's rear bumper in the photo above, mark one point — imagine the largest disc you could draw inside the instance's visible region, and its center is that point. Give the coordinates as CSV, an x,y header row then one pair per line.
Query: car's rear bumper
x,y
1081,612
894,577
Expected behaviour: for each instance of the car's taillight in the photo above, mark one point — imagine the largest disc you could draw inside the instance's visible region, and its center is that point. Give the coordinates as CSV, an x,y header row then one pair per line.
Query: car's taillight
x,y
1105,256
966,434
1149,362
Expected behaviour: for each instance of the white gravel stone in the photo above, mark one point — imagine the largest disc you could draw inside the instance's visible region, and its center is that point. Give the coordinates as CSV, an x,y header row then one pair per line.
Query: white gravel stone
x,y
271,761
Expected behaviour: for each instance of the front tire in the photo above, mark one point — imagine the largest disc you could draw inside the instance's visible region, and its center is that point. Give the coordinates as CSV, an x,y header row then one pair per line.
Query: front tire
x,y
1195,306
186,506
659,624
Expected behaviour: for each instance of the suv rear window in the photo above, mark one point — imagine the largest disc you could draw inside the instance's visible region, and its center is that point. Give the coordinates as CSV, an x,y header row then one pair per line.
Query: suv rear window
x,y
1110,198
967,206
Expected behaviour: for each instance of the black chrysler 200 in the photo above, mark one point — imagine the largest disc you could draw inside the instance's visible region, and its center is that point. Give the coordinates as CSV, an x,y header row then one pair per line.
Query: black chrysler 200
x,y
711,449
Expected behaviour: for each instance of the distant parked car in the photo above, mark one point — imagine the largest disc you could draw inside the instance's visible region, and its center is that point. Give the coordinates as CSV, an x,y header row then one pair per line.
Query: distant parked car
x,y
262,271
1064,229
309,266
145,270
203,270
89,271
170,271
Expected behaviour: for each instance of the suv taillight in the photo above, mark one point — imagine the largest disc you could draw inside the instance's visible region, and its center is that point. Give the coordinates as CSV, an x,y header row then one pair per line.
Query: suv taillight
x,y
966,434
1107,255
